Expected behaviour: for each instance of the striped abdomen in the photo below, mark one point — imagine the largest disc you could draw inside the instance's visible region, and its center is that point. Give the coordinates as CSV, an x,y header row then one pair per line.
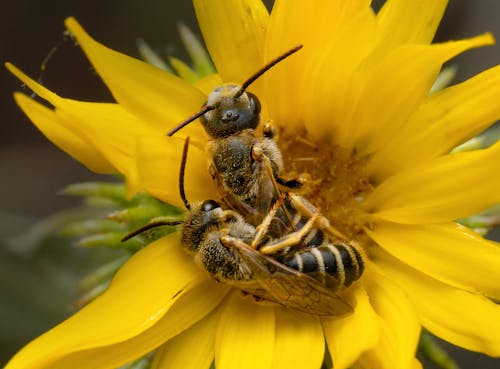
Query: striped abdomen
x,y
339,260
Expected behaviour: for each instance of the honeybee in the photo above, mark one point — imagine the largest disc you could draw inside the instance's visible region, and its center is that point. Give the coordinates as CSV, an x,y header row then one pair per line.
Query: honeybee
x,y
302,270
246,168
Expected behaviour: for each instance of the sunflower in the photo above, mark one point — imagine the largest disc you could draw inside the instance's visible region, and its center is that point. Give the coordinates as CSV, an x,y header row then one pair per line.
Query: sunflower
x,y
355,111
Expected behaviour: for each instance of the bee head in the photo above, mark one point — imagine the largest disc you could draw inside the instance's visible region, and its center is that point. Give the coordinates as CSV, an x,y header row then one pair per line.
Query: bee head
x,y
233,111
198,220
230,108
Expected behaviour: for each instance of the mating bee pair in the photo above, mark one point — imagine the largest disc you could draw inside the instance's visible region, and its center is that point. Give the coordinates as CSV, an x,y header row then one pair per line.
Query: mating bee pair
x,y
269,243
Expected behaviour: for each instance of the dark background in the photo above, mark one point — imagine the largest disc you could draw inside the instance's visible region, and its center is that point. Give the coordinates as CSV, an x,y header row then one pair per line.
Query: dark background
x,y
38,287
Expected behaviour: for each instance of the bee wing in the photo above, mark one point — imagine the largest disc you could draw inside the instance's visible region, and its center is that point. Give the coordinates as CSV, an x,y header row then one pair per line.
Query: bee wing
x,y
290,287
267,187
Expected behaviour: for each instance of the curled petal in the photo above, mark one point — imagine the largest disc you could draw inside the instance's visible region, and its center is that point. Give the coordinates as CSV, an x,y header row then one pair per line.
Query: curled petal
x,y
297,333
245,335
139,296
57,131
349,336
157,97
399,325
106,126
191,349
465,319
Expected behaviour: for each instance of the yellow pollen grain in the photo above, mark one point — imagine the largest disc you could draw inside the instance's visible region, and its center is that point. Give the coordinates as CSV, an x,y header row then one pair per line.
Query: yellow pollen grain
x,y
336,178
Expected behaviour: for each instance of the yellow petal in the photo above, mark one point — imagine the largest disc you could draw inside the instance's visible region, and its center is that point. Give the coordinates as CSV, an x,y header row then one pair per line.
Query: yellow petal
x,y
192,305
157,97
106,126
110,128
299,341
347,337
208,83
138,297
183,70
445,120
447,252
293,23
56,131
409,22
234,35
417,364
462,318
327,59
245,335
158,161
192,349
445,189
386,103
399,325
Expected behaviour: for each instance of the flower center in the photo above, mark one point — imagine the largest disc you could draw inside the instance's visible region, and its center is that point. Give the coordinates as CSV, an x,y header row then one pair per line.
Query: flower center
x,y
336,179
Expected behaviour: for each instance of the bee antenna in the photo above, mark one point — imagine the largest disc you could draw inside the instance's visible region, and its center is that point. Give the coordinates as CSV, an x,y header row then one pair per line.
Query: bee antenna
x,y
265,68
149,226
193,117
181,174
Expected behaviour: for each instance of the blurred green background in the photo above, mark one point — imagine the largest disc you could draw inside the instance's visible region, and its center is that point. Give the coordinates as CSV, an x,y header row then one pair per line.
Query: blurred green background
x,y
38,282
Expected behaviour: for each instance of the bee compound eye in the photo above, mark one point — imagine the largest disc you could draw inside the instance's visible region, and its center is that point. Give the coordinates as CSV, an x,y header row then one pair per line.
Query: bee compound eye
x,y
209,205
254,100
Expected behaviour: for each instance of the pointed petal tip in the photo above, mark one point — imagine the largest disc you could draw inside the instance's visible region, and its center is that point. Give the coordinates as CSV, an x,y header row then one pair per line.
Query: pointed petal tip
x,y
15,71
37,88
75,28
484,39
9,66
72,24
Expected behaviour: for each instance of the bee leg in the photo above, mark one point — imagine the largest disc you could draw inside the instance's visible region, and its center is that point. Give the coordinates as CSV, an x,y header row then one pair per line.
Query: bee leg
x,y
262,228
258,155
304,207
228,215
294,183
291,239
233,242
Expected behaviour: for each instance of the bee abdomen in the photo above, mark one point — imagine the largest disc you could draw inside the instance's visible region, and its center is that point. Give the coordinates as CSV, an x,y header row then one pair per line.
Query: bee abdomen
x,y
341,261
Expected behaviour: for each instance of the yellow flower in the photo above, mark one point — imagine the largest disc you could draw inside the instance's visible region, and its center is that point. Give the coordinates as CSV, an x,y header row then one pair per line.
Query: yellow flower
x,y
356,99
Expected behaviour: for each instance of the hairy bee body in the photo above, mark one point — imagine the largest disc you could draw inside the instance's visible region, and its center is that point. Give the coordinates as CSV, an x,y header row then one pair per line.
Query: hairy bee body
x,y
202,230
303,276
245,167
339,260
242,181
271,244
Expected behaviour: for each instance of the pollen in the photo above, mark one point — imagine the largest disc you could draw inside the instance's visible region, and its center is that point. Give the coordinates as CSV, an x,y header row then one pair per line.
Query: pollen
x,y
336,179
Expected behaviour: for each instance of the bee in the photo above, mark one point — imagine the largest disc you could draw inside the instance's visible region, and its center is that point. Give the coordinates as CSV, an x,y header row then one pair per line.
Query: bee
x,y
299,271
246,168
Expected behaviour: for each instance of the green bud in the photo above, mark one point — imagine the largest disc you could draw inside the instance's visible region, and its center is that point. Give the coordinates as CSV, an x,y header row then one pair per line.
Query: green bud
x,y
91,226
91,295
151,57
110,191
183,70
197,52
102,274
